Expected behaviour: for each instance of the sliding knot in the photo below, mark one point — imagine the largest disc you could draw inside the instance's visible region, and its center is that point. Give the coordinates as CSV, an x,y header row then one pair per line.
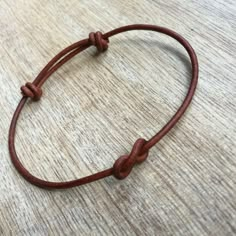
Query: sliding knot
x,y
30,90
124,164
98,41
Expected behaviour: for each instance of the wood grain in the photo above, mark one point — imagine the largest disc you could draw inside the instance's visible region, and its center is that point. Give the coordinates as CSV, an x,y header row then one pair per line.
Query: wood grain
x,y
96,106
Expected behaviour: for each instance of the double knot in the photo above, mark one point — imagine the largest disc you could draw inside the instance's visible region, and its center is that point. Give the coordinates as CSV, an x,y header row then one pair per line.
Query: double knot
x,y
124,164
97,40
32,91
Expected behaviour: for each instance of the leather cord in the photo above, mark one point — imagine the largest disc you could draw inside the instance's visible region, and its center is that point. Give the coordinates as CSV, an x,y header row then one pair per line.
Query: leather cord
x,y
124,164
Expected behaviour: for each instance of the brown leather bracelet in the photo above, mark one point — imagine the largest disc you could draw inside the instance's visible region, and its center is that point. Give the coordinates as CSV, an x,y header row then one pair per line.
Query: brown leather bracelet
x,y
124,164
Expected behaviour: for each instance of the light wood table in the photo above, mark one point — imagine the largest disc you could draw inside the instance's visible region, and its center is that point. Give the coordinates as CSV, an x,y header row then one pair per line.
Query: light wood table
x,y
96,106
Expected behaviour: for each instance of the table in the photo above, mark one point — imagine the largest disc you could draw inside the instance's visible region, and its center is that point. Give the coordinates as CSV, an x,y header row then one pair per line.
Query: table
x,y
96,106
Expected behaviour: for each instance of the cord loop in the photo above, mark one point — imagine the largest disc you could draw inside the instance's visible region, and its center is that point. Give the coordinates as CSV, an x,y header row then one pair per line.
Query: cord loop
x,y
97,39
123,165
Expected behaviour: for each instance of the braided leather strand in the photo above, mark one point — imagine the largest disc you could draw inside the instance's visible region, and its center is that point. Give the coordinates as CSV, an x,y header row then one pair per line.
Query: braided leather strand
x,y
139,153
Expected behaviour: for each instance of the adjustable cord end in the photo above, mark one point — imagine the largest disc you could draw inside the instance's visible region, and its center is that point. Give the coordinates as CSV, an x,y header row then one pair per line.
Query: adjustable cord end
x,y
30,90
97,40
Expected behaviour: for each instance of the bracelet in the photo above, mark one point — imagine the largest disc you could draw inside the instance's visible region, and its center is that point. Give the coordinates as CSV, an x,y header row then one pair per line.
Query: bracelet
x,y
124,164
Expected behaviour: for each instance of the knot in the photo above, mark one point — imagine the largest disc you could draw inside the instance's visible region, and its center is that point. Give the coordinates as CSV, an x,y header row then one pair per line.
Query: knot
x,y
30,90
98,41
124,164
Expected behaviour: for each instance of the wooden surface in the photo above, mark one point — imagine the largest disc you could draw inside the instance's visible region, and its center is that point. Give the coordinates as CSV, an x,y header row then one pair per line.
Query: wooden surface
x,y
95,107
